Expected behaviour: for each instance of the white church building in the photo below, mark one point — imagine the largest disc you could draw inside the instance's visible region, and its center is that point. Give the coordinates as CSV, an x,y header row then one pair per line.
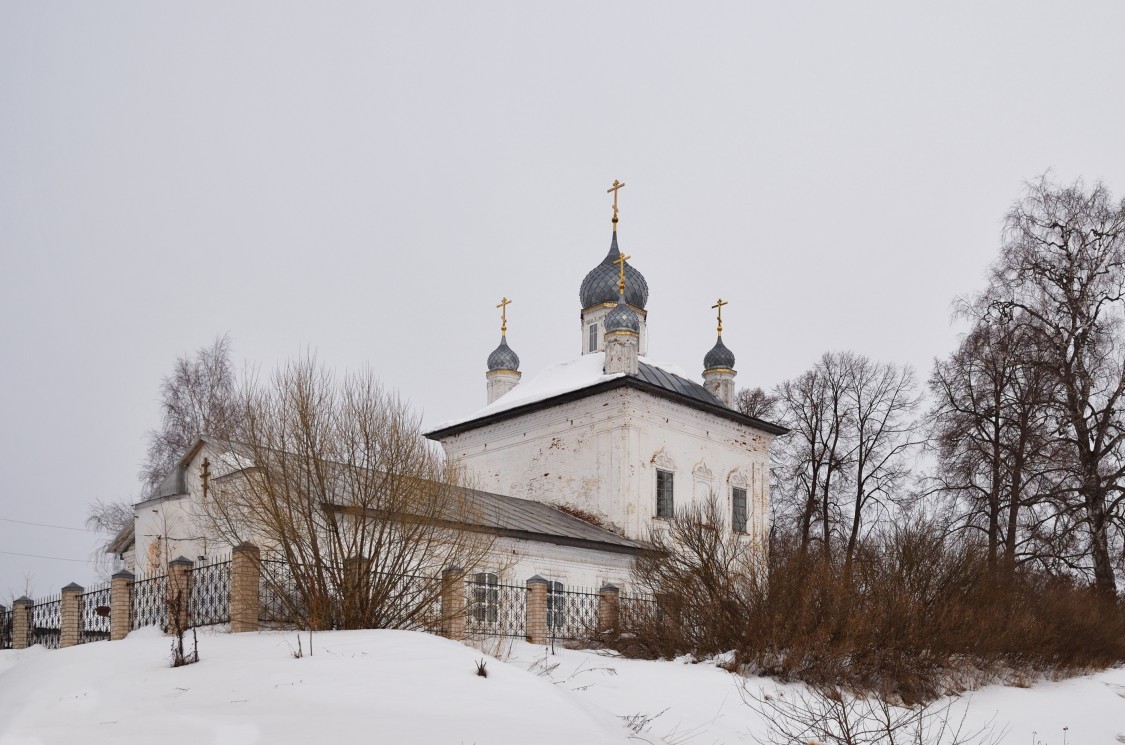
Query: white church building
x,y
573,469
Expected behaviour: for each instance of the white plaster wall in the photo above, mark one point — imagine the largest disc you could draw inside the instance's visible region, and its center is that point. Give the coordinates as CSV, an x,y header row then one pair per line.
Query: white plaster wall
x,y
170,527
600,455
579,569
597,314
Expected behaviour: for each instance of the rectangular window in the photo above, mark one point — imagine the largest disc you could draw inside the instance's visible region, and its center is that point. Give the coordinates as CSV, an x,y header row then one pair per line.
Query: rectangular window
x,y
556,605
593,337
738,510
664,507
486,598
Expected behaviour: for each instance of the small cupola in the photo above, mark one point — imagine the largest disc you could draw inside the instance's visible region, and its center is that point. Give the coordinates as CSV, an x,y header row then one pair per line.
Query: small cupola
x,y
718,364
503,364
622,332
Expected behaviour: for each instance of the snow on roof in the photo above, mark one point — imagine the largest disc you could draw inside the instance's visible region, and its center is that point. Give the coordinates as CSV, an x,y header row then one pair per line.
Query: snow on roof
x,y
559,378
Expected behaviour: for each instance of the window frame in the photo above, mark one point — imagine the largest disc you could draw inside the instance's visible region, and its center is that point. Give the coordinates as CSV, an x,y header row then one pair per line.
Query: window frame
x,y
666,497
734,512
592,337
486,598
556,605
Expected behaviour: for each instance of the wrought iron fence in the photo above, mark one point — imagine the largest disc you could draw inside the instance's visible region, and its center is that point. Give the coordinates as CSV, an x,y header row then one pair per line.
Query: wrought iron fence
x,y
93,625
279,597
572,615
209,600
6,629
495,609
637,611
45,622
149,602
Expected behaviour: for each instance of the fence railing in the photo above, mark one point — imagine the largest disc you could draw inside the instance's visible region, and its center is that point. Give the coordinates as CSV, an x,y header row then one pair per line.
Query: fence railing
x,y
5,629
209,599
494,609
150,602
572,614
94,621
222,590
45,622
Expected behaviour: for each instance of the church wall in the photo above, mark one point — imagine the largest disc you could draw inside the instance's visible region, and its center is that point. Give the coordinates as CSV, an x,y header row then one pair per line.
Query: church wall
x,y
600,455
579,569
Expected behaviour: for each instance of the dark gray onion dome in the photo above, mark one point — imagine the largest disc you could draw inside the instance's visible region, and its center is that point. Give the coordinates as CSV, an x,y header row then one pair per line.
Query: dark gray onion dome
x,y
503,358
600,285
622,318
719,357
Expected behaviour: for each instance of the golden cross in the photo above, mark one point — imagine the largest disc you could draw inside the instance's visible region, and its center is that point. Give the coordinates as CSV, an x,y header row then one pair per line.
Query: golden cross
x,y
719,306
613,190
503,306
620,260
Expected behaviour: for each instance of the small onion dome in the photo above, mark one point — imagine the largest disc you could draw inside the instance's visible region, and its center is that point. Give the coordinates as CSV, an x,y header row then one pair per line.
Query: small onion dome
x,y
503,358
622,318
600,285
719,357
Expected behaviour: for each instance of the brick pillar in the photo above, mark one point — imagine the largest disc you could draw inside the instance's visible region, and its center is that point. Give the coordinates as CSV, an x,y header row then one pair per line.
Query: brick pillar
x,y
609,605
21,623
70,614
536,612
120,605
179,594
245,576
453,603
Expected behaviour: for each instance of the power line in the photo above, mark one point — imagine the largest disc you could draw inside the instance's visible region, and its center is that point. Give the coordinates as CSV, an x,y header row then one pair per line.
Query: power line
x,y
45,525
53,558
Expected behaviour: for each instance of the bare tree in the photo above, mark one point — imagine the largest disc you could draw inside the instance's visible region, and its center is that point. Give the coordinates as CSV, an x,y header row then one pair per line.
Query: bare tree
x,y
881,399
197,398
757,403
991,426
356,515
812,457
1061,277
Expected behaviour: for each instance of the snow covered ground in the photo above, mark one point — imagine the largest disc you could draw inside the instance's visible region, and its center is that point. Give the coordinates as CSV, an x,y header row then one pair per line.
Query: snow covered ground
x,y
403,687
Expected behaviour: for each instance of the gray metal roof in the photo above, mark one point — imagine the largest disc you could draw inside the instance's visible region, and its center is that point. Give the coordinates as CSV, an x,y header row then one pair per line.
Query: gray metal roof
x,y
719,357
538,521
503,358
676,384
600,284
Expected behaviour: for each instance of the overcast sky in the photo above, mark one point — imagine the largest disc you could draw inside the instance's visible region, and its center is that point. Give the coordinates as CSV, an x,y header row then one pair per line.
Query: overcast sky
x,y
367,180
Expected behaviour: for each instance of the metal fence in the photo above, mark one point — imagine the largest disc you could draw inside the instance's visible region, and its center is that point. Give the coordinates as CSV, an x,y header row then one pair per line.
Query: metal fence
x,y
495,609
6,629
45,622
94,620
150,602
571,615
209,600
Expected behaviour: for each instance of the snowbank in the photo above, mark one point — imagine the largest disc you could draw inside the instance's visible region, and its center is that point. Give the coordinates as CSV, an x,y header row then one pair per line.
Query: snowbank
x,y
402,687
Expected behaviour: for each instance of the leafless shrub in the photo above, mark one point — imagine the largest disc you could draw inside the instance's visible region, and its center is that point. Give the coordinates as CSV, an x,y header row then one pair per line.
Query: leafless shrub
x,y
917,613
834,717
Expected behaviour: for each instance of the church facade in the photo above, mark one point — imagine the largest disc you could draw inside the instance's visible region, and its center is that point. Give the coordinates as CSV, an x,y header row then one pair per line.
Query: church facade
x,y
572,470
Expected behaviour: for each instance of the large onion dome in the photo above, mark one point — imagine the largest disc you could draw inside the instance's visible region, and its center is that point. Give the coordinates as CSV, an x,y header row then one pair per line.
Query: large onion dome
x,y
600,285
719,357
622,318
503,358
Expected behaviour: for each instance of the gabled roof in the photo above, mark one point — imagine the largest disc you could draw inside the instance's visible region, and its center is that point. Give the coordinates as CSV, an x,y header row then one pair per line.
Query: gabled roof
x,y
583,377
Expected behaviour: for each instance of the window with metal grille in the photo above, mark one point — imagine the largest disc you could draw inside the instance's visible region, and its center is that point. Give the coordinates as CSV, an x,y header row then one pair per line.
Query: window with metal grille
x,y
486,598
556,609
738,510
593,337
664,506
